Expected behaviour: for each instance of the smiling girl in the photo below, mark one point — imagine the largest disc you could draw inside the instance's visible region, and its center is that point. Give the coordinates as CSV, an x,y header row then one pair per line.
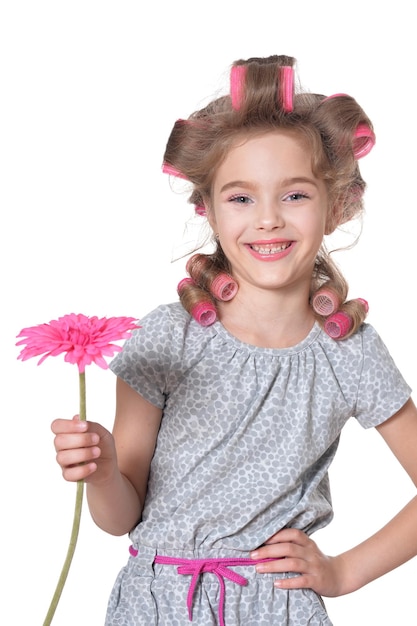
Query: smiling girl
x,y
230,403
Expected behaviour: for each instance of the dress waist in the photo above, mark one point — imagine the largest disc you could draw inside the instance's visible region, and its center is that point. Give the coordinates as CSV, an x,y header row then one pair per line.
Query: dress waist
x,y
195,568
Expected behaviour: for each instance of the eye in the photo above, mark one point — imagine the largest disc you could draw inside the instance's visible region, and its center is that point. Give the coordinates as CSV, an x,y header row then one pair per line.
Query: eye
x,y
240,199
296,196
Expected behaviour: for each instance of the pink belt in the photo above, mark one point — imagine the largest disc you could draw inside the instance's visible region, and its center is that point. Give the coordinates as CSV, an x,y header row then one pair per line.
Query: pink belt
x,y
196,567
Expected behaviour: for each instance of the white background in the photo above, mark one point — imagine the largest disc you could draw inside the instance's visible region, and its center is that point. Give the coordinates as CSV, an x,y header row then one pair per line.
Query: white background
x,y
89,93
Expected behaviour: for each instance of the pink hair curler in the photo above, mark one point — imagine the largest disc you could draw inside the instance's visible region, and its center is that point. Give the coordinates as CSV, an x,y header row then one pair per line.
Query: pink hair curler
x,y
364,303
363,141
183,283
224,287
363,137
204,313
200,210
338,325
190,262
237,85
286,95
335,95
325,302
167,168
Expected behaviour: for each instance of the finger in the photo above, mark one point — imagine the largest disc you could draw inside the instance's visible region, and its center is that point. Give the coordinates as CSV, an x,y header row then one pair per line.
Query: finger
x,y
72,441
294,582
289,534
294,564
76,425
79,472
280,551
70,458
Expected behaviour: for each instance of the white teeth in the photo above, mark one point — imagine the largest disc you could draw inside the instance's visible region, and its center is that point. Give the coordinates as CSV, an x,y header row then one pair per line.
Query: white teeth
x,y
270,249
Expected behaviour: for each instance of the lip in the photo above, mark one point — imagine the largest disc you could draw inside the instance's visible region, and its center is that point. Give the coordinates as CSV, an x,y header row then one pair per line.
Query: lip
x,y
270,242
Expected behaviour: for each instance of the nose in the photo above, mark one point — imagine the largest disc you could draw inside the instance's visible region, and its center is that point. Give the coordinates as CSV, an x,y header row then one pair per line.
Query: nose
x,y
269,216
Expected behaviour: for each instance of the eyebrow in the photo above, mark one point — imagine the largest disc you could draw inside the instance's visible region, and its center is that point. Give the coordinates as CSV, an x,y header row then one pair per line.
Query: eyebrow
x,y
237,183
285,183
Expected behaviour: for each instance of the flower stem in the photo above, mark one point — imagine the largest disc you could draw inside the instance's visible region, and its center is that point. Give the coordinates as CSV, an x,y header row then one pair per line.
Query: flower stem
x,y
83,409
75,524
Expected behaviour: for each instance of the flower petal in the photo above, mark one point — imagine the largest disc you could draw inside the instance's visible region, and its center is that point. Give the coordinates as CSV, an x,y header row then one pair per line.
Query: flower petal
x,y
83,339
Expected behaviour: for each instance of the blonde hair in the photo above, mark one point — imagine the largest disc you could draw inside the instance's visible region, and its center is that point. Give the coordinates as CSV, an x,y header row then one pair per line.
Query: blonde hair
x,y
197,147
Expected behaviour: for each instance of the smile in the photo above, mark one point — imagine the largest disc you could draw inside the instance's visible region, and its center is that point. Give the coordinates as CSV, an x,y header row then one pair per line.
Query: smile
x,y
271,248
274,251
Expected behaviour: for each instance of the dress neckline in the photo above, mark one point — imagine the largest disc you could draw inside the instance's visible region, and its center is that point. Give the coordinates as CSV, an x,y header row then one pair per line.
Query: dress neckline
x,y
291,350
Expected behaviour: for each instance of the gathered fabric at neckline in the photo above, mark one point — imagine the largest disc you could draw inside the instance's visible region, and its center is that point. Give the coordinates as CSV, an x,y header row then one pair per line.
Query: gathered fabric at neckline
x,y
302,345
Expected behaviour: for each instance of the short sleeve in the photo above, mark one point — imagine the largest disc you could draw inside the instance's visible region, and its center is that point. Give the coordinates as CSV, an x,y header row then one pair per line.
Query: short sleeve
x,y
145,360
382,389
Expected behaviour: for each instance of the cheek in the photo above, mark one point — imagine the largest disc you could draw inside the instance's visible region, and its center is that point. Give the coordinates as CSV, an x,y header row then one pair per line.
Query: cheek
x,y
322,222
314,223
317,232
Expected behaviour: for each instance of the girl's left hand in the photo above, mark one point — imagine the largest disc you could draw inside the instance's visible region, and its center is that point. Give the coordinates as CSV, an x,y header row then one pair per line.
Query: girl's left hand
x,y
296,552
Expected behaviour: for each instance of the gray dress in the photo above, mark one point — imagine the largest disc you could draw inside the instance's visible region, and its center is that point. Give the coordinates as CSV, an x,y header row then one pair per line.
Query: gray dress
x,y
244,447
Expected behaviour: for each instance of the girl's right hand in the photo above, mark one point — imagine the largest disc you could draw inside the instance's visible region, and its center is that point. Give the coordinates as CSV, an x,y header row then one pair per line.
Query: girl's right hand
x,y
85,450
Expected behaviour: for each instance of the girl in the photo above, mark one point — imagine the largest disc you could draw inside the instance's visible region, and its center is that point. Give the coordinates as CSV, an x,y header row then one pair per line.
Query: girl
x,y
230,403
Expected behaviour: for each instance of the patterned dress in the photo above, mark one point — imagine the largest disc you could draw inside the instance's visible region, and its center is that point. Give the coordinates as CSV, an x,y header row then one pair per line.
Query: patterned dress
x,y
244,447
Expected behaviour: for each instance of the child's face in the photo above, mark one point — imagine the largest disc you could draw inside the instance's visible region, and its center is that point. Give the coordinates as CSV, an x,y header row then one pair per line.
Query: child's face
x,y
269,211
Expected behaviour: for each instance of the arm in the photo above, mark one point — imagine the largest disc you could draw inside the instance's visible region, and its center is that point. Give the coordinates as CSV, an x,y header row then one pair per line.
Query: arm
x,y
116,504
387,549
396,543
114,466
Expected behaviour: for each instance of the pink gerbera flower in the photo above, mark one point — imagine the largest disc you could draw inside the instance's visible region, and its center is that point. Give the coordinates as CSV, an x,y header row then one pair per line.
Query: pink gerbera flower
x,y
84,340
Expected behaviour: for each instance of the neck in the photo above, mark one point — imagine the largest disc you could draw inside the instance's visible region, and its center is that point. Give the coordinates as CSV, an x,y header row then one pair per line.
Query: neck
x,y
268,319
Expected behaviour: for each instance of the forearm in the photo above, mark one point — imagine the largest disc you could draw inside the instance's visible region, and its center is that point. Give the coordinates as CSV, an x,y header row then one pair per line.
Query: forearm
x,y
114,506
390,547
